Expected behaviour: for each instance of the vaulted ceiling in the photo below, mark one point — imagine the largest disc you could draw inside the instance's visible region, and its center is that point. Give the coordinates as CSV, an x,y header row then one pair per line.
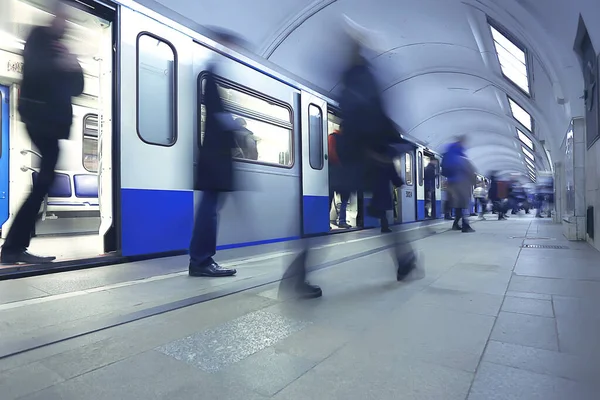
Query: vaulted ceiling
x,y
438,65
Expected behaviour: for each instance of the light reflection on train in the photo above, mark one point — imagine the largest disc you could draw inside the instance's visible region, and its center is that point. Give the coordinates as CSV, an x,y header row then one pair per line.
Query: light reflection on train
x,y
125,178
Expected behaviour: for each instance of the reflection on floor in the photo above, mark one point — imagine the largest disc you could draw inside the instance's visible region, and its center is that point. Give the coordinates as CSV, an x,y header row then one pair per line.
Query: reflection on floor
x,y
65,247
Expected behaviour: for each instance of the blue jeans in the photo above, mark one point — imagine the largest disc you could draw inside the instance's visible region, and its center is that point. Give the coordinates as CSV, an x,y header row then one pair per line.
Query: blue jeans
x,y
203,245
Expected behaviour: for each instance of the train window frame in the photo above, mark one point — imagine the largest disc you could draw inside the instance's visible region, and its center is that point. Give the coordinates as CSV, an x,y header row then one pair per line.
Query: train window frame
x,y
86,136
175,103
420,168
251,114
319,143
408,173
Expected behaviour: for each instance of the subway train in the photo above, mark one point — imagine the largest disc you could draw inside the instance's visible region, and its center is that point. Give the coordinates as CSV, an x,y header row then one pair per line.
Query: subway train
x,y
125,178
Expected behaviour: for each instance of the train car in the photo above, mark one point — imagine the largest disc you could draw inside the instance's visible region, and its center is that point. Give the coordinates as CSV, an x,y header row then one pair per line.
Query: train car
x,y
125,178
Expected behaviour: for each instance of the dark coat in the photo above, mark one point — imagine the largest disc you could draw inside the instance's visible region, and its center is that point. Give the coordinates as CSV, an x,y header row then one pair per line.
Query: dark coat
x,y
46,90
214,170
367,131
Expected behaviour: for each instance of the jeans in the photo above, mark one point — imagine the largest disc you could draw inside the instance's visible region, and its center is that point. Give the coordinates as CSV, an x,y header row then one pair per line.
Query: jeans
x,y
345,197
19,235
203,245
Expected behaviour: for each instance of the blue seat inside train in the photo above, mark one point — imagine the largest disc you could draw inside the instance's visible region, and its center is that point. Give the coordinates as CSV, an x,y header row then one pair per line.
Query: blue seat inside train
x,y
86,186
61,187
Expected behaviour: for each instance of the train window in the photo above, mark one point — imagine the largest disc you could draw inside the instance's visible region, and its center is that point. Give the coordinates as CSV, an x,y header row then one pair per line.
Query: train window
x,y
408,175
315,137
420,168
333,123
265,133
90,143
156,91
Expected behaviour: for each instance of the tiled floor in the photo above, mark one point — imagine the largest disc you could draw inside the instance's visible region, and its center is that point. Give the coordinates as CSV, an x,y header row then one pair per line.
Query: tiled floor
x,y
489,320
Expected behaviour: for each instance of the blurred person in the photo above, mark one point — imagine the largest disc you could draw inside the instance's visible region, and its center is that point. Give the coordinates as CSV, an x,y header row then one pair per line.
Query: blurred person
x,y
461,178
480,194
364,151
214,172
335,171
52,76
246,147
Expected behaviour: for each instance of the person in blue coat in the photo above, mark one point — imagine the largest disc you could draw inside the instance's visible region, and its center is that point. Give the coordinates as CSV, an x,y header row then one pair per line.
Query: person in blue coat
x,y
461,178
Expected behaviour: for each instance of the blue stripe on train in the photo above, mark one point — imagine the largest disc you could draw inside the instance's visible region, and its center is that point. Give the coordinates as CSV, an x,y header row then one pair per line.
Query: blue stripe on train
x,y
420,210
156,221
315,214
369,221
438,209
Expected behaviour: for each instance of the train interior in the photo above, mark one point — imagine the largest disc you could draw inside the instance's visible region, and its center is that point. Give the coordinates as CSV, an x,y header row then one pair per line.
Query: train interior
x,y
431,183
74,215
337,203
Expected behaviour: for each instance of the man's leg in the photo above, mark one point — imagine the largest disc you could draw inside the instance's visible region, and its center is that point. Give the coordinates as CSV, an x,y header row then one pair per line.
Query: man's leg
x,y
203,245
18,239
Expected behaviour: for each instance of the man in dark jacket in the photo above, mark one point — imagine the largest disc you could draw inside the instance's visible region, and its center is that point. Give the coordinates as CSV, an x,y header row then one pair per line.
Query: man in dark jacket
x,y
51,78
214,176
364,154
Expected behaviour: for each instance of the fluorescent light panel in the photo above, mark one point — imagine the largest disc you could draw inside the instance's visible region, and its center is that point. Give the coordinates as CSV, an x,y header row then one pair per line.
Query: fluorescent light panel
x,y
521,115
527,153
512,60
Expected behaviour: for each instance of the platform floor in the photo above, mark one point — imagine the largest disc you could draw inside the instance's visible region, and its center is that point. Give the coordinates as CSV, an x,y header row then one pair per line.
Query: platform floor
x,y
491,319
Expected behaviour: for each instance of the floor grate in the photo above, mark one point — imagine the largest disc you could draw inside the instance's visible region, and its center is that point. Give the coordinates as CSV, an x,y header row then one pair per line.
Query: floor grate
x,y
544,246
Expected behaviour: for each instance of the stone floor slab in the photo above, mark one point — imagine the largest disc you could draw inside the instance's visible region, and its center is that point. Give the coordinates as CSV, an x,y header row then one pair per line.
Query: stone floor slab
x,y
357,374
526,295
526,330
475,278
266,372
520,305
25,380
498,382
561,287
583,369
149,375
458,300
434,335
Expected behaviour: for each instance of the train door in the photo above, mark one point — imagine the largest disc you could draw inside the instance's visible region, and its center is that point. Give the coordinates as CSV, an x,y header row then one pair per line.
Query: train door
x,y
70,215
315,169
420,188
406,194
156,196
4,159
438,191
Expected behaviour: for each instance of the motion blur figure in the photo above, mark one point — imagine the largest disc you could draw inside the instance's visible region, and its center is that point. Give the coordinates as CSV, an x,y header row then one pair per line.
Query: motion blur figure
x,y
52,76
214,172
365,153
461,178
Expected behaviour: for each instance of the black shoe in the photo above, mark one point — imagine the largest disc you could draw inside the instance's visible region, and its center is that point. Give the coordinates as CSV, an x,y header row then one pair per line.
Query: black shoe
x,y
405,267
345,226
467,229
213,270
308,291
456,227
24,257
386,230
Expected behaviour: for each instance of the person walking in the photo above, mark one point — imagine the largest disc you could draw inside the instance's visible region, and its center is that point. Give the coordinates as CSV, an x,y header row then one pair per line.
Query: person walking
x,y
461,178
52,76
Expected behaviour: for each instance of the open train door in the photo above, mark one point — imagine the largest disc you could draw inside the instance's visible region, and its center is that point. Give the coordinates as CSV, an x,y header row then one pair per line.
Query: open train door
x,y
315,170
4,162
